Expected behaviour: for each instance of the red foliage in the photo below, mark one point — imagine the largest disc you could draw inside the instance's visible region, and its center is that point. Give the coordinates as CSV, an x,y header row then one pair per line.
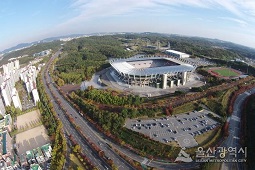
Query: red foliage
x,y
235,94
225,129
169,110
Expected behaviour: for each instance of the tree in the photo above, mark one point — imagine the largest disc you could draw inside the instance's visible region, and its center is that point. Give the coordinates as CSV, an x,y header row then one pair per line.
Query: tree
x,y
79,168
60,82
124,113
76,148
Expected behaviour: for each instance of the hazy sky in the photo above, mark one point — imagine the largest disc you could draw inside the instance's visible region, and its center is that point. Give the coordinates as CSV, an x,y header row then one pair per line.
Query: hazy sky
x,y
31,20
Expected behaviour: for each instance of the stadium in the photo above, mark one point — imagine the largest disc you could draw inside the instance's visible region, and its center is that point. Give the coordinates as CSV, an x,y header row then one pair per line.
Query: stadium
x,y
156,71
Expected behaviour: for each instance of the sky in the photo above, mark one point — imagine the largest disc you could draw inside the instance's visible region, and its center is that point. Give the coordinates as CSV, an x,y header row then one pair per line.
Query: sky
x,y
24,21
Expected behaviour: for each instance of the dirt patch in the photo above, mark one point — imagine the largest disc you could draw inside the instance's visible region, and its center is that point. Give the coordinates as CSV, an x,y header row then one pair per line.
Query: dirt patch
x,y
28,120
69,87
31,139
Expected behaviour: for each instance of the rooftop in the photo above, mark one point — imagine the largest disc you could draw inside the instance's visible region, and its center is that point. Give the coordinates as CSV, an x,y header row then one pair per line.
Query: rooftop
x,y
46,147
29,155
176,52
35,167
125,66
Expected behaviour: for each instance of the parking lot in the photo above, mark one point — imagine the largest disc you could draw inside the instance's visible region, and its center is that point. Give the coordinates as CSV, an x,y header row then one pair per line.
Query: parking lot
x,y
181,128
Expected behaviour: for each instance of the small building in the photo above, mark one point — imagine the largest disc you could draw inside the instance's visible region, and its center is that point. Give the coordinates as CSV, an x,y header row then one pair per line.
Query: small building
x,y
177,54
6,123
30,157
38,155
46,149
35,167
6,144
23,160
42,53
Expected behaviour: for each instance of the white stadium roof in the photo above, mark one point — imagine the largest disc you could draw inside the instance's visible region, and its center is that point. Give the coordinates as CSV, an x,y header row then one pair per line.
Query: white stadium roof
x,y
122,66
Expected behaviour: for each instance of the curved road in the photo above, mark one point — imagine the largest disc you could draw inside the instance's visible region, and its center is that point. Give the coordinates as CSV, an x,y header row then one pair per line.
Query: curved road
x,y
233,139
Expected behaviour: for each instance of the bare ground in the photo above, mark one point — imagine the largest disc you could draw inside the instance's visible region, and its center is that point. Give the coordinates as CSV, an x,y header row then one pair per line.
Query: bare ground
x,y
31,139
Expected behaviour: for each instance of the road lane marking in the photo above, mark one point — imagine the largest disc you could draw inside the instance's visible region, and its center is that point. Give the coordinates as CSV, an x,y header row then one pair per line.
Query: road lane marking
x,y
235,118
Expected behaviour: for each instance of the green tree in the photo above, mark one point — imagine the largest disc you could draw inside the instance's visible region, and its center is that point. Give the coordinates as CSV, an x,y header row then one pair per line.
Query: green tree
x,y
60,82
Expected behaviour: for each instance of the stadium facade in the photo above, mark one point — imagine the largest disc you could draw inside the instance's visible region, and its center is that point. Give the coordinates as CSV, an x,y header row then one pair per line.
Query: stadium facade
x,y
156,71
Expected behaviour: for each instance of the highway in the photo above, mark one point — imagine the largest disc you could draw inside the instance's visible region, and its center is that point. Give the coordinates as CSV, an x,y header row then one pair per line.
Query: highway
x,y
70,130
233,139
87,150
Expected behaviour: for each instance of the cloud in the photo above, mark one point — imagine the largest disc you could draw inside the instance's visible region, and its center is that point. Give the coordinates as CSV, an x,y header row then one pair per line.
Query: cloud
x,y
204,19
244,9
87,13
239,21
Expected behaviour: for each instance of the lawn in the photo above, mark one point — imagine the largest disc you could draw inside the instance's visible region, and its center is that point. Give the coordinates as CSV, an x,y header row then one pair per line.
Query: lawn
x,y
202,139
225,72
75,163
187,107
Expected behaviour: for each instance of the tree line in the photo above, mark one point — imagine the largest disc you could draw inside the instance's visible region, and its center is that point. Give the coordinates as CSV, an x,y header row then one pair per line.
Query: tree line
x,y
53,126
110,97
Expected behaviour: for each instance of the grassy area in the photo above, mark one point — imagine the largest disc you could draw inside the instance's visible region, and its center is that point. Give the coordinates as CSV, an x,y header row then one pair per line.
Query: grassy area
x,y
226,72
188,107
215,166
173,143
206,140
75,163
226,97
211,166
205,136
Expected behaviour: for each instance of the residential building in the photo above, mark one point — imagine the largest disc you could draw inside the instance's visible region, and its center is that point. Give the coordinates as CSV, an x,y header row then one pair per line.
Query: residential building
x,y
16,99
5,94
2,107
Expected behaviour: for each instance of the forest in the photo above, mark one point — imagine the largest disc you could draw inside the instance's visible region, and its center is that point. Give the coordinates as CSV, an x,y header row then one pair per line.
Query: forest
x,y
197,46
82,57
110,97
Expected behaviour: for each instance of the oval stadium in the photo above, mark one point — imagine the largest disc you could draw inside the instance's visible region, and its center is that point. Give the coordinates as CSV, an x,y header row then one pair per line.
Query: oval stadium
x,y
156,71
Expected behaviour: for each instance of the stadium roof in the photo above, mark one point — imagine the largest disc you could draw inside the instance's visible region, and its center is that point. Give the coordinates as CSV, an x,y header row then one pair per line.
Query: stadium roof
x,y
123,67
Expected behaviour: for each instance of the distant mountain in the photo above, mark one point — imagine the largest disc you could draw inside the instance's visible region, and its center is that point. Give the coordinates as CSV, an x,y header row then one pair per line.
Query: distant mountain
x,y
59,37
17,47
26,45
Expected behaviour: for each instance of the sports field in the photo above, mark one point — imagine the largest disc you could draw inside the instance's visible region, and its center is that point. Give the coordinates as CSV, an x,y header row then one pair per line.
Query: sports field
x,y
225,72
